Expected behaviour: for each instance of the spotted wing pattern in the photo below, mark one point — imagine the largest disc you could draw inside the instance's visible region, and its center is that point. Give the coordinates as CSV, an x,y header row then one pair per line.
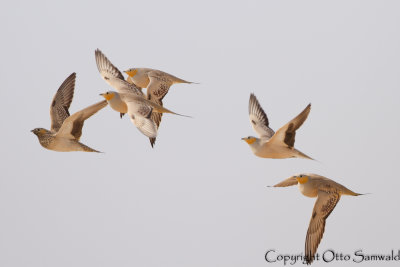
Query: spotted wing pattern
x,y
156,90
140,111
324,205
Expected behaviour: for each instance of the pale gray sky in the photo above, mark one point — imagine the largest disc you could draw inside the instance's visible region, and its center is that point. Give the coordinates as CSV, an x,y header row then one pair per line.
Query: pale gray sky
x,y
199,198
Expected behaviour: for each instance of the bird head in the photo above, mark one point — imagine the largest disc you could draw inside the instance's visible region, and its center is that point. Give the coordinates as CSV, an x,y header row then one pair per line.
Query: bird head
x,y
108,95
249,139
302,178
131,72
39,131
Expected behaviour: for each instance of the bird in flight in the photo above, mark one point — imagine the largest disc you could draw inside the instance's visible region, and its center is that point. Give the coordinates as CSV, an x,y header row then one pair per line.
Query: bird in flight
x,y
66,130
270,144
157,83
129,98
328,193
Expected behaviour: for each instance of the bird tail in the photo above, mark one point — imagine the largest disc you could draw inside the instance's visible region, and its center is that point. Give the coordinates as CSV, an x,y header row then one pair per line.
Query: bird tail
x,y
302,155
179,80
351,193
161,109
88,149
348,192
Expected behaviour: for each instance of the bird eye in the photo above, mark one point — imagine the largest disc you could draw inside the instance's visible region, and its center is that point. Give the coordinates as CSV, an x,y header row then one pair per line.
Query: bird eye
x,y
107,93
301,175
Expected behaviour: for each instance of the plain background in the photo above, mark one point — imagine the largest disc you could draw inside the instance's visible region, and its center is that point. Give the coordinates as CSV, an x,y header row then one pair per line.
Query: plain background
x,y
200,197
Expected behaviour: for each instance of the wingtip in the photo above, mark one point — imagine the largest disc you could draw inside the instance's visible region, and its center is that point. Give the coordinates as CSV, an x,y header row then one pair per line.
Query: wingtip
x,y
152,141
71,76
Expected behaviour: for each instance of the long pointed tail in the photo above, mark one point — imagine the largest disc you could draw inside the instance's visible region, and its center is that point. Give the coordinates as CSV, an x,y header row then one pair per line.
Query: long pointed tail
x,y
156,107
88,149
351,193
161,109
302,155
179,80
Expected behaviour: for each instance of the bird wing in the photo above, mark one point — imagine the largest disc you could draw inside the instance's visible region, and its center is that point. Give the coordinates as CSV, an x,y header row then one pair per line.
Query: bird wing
x,y
286,134
125,87
72,126
158,86
288,182
156,90
105,65
145,125
141,100
61,102
139,111
113,76
259,119
324,205
156,117
138,106
130,80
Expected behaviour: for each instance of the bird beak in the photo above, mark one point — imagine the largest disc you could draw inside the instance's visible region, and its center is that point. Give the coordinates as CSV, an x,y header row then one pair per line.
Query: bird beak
x,y
32,131
242,138
101,94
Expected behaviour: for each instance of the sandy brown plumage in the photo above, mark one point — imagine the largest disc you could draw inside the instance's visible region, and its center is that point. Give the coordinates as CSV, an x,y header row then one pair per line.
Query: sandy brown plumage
x,y
258,119
144,113
328,193
66,130
270,144
157,83
287,133
61,102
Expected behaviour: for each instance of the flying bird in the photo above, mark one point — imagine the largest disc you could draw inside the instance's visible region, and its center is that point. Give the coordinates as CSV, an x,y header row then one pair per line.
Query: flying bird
x,y
276,145
66,130
157,83
129,98
139,110
328,193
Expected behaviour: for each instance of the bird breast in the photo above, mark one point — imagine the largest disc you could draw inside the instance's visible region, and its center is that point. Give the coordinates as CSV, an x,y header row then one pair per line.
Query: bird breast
x,y
308,189
141,79
118,105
